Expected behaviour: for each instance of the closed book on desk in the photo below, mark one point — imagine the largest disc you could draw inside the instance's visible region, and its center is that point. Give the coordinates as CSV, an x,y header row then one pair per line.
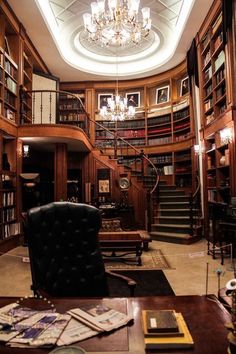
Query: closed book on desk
x,y
160,323
168,342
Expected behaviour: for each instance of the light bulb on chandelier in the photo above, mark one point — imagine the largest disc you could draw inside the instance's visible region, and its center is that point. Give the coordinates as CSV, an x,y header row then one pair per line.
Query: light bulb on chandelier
x,y
118,24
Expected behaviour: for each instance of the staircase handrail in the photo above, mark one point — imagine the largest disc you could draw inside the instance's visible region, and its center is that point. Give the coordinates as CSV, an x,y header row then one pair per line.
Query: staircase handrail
x,y
194,202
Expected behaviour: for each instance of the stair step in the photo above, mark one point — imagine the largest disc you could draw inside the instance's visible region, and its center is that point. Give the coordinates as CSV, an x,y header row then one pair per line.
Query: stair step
x,y
174,238
167,192
173,198
174,205
171,228
172,219
168,186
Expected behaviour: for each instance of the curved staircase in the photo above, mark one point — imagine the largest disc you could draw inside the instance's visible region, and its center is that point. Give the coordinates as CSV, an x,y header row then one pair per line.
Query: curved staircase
x,y
175,220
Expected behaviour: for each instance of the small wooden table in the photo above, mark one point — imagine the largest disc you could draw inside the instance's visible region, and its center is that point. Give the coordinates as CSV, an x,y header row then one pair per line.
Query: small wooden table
x,y
121,246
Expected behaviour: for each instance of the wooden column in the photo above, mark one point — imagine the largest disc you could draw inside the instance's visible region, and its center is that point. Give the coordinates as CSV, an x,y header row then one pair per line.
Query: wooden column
x,y
60,172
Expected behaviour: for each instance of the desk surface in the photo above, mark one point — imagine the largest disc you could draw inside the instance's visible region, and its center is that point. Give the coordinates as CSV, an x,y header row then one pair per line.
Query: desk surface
x,y
205,317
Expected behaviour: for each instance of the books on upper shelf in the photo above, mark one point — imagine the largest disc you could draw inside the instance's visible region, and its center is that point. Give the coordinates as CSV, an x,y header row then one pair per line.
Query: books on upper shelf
x,y
171,330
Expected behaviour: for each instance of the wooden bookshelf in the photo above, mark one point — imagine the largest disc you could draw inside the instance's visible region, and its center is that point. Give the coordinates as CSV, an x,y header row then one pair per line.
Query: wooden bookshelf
x,y
10,226
213,70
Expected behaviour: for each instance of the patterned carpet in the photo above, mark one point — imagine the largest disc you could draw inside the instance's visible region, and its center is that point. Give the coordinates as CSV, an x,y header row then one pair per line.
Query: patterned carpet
x,y
151,260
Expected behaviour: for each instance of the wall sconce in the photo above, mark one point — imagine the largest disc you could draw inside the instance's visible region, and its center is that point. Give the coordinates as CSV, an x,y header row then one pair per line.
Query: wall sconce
x,y
25,150
226,136
198,149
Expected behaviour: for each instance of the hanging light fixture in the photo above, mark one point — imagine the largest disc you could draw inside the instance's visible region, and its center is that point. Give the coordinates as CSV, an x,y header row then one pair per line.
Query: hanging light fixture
x,y
118,24
117,107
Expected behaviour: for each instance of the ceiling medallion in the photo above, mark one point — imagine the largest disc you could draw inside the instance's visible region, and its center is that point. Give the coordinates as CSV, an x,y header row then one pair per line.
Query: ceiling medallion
x,y
118,24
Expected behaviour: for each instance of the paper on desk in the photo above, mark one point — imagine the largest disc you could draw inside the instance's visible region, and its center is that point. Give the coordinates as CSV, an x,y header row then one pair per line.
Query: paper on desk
x,y
100,317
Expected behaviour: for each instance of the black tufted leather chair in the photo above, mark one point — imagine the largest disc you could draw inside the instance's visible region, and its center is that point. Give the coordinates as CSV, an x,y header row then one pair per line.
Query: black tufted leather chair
x,y
64,251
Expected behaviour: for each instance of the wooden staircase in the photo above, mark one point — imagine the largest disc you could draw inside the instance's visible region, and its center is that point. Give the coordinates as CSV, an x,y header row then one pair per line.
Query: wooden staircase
x,y
172,220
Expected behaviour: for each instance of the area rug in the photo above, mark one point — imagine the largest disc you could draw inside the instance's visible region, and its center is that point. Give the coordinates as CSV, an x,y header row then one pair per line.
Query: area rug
x,y
151,260
149,283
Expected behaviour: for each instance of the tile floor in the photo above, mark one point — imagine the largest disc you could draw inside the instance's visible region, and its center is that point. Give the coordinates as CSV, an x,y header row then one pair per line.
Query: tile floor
x,y
190,265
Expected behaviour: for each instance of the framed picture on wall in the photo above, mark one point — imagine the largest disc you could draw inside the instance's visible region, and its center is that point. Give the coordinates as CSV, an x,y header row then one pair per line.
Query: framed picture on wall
x,y
133,99
103,99
104,186
162,94
184,87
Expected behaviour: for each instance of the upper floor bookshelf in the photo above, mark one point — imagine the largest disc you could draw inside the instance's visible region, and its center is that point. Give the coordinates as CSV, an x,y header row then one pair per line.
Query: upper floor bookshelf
x,y
163,115
9,73
213,70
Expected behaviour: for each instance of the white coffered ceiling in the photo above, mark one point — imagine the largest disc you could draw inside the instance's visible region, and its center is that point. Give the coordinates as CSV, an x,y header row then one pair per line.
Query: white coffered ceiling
x,y
56,29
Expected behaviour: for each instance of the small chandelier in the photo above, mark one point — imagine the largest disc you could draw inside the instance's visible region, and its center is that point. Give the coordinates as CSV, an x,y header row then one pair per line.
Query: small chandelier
x,y
117,109
117,25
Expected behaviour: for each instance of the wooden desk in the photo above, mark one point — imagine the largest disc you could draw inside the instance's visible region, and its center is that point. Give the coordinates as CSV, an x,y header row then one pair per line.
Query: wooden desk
x,y
205,317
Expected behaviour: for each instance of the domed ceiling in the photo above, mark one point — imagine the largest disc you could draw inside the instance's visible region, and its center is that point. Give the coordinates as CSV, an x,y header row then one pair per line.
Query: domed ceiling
x,y
174,25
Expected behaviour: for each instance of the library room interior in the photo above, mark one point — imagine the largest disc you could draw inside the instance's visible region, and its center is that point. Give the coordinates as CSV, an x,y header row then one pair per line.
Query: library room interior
x,y
117,176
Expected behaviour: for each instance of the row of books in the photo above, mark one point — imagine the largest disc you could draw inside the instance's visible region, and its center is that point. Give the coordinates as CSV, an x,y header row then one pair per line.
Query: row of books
x,y
161,159
219,60
182,126
70,106
8,198
9,114
210,118
220,92
132,133
182,137
208,74
206,40
68,96
11,84
159,120
159,141
10,69
69,117
8,214
208,90
206,58
159,131
181,114
218,41
10,99
11,229
220,75
208,104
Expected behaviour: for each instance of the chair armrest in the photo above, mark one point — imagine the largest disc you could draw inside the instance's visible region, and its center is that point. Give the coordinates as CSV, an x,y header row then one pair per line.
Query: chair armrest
x,y
130,282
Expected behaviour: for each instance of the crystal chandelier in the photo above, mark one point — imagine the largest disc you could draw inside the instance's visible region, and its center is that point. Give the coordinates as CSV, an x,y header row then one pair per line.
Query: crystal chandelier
x,y
118,24
117,109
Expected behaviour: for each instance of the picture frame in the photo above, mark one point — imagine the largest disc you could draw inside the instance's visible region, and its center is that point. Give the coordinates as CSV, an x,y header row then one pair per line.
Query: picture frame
x,y
133,99
102,99
184,87
163,94
104,186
